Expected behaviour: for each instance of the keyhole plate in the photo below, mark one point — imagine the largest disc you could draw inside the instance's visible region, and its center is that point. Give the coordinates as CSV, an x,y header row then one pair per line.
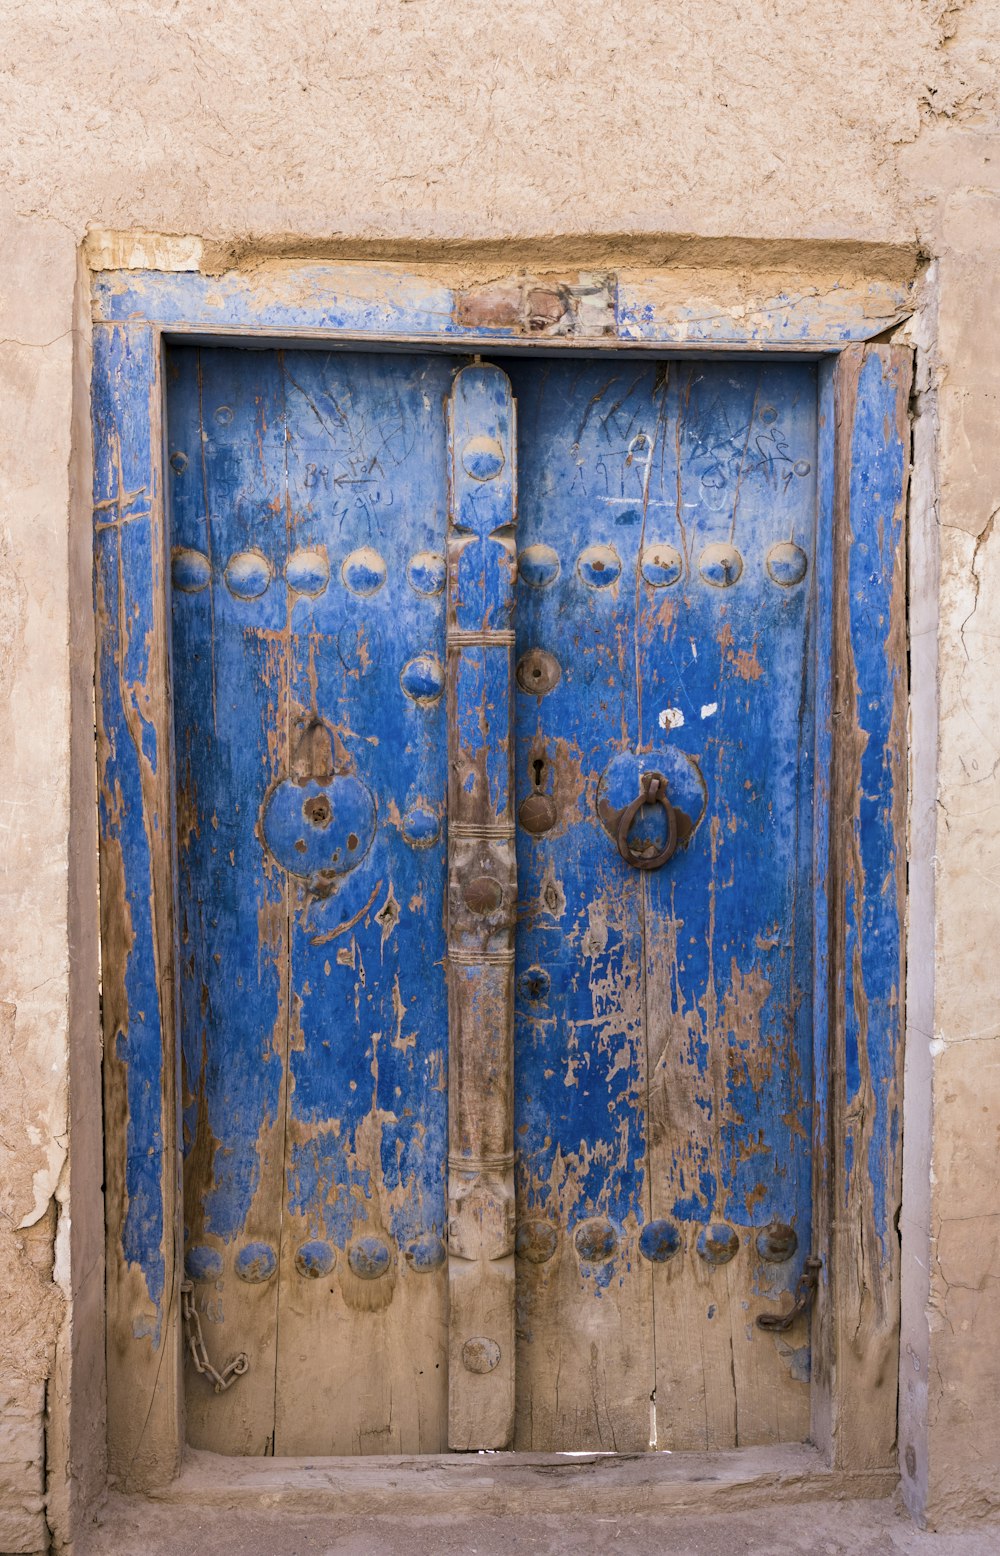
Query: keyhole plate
x,y
621,782
315,828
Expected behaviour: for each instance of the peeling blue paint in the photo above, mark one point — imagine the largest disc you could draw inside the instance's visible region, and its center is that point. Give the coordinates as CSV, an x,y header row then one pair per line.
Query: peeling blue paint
x,y
340,459
293,473
700,456
872,956
127,580
373,300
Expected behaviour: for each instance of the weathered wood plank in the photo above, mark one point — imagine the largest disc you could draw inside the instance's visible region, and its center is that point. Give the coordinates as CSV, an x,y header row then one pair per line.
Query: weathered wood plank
x,y
362,1335
604,1485
373,299
134,796
482,901
712,686
823,1402
585,1319
867,883
727,687
336,455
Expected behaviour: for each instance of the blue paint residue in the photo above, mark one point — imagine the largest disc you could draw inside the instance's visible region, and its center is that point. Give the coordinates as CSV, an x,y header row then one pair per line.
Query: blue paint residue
x,y
699,1204
203,1264
255,1263
236,1177
659,1241
425,1253
369,1257
321,1188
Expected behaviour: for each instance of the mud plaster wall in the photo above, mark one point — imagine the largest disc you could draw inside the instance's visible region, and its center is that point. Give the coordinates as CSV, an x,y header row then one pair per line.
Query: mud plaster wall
x,y
463,132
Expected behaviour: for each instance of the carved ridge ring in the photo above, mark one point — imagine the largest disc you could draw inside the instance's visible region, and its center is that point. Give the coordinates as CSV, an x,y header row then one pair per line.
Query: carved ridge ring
x,y
653,792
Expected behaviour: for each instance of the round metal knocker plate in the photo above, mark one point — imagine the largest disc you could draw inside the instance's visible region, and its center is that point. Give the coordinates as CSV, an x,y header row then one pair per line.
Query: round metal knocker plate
x,y
639,824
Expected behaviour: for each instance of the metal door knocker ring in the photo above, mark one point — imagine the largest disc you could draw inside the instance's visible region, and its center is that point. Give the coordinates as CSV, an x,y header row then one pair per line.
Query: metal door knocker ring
x,y
654,792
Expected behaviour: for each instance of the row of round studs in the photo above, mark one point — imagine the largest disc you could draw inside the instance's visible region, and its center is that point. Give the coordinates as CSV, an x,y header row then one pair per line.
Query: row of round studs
x,y
248,574
596,1241
368,1258
307,571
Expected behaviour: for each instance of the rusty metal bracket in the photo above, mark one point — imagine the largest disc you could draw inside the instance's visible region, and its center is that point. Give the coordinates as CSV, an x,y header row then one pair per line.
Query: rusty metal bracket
x,y
804,1293
653,792
234,1369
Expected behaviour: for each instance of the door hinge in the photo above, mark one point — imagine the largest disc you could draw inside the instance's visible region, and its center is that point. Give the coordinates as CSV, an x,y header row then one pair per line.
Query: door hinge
x,y
234,1369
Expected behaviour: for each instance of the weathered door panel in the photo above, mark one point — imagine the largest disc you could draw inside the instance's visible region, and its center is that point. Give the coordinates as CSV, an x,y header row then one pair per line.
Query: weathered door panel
x,y
728,922
663,1040
585,1316
364,1304
342,798
226,463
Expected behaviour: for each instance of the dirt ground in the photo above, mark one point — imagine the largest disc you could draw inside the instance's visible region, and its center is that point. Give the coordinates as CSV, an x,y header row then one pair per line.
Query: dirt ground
x,y
817,1528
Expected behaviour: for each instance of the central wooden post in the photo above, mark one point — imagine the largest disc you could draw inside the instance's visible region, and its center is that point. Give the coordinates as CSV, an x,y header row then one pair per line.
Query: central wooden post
x,y
482,899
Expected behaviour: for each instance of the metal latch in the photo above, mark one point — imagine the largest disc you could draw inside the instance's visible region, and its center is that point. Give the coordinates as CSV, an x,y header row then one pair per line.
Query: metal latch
x,y
234,1369
804,1293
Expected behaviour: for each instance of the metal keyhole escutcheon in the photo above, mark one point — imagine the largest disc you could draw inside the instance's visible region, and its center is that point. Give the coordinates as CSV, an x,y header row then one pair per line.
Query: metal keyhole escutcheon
x,y
653,792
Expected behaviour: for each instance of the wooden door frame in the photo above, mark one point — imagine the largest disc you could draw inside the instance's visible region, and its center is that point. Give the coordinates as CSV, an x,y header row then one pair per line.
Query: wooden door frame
x,y
861,720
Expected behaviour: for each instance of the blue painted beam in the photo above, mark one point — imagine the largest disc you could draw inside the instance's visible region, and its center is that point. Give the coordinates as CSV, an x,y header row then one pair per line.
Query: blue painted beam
x,y
867,880
604,308
135,822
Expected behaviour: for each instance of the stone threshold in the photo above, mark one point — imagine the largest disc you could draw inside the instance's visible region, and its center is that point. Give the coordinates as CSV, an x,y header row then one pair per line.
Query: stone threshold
x,y
510,1483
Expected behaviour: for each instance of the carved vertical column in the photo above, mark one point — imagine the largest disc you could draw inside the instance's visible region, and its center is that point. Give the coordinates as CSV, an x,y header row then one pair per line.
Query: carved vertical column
x,y
482,895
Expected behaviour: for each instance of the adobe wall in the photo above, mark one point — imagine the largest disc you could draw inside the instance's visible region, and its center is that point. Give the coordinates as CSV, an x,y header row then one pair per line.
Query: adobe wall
x,y
498,134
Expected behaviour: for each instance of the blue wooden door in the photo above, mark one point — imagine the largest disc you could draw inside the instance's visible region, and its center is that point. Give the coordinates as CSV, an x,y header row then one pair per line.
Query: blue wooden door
x,y
662,1034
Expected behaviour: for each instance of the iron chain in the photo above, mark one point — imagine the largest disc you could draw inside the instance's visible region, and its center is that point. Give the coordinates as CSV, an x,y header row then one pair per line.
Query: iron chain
x,y
234,1369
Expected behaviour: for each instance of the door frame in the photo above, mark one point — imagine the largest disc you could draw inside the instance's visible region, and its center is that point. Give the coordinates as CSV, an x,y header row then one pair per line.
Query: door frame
x,y
861,769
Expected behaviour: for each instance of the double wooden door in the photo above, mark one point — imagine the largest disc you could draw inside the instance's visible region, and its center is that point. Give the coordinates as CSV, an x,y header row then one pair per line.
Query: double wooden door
x,y
493,705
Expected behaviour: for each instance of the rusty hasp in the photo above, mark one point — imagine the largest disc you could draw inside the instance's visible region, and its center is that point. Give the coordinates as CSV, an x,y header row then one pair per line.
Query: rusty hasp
x,y
550,306
805,1291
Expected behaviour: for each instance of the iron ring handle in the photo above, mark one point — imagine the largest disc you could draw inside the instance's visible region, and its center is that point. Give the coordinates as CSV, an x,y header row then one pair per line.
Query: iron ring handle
x,y
654,792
